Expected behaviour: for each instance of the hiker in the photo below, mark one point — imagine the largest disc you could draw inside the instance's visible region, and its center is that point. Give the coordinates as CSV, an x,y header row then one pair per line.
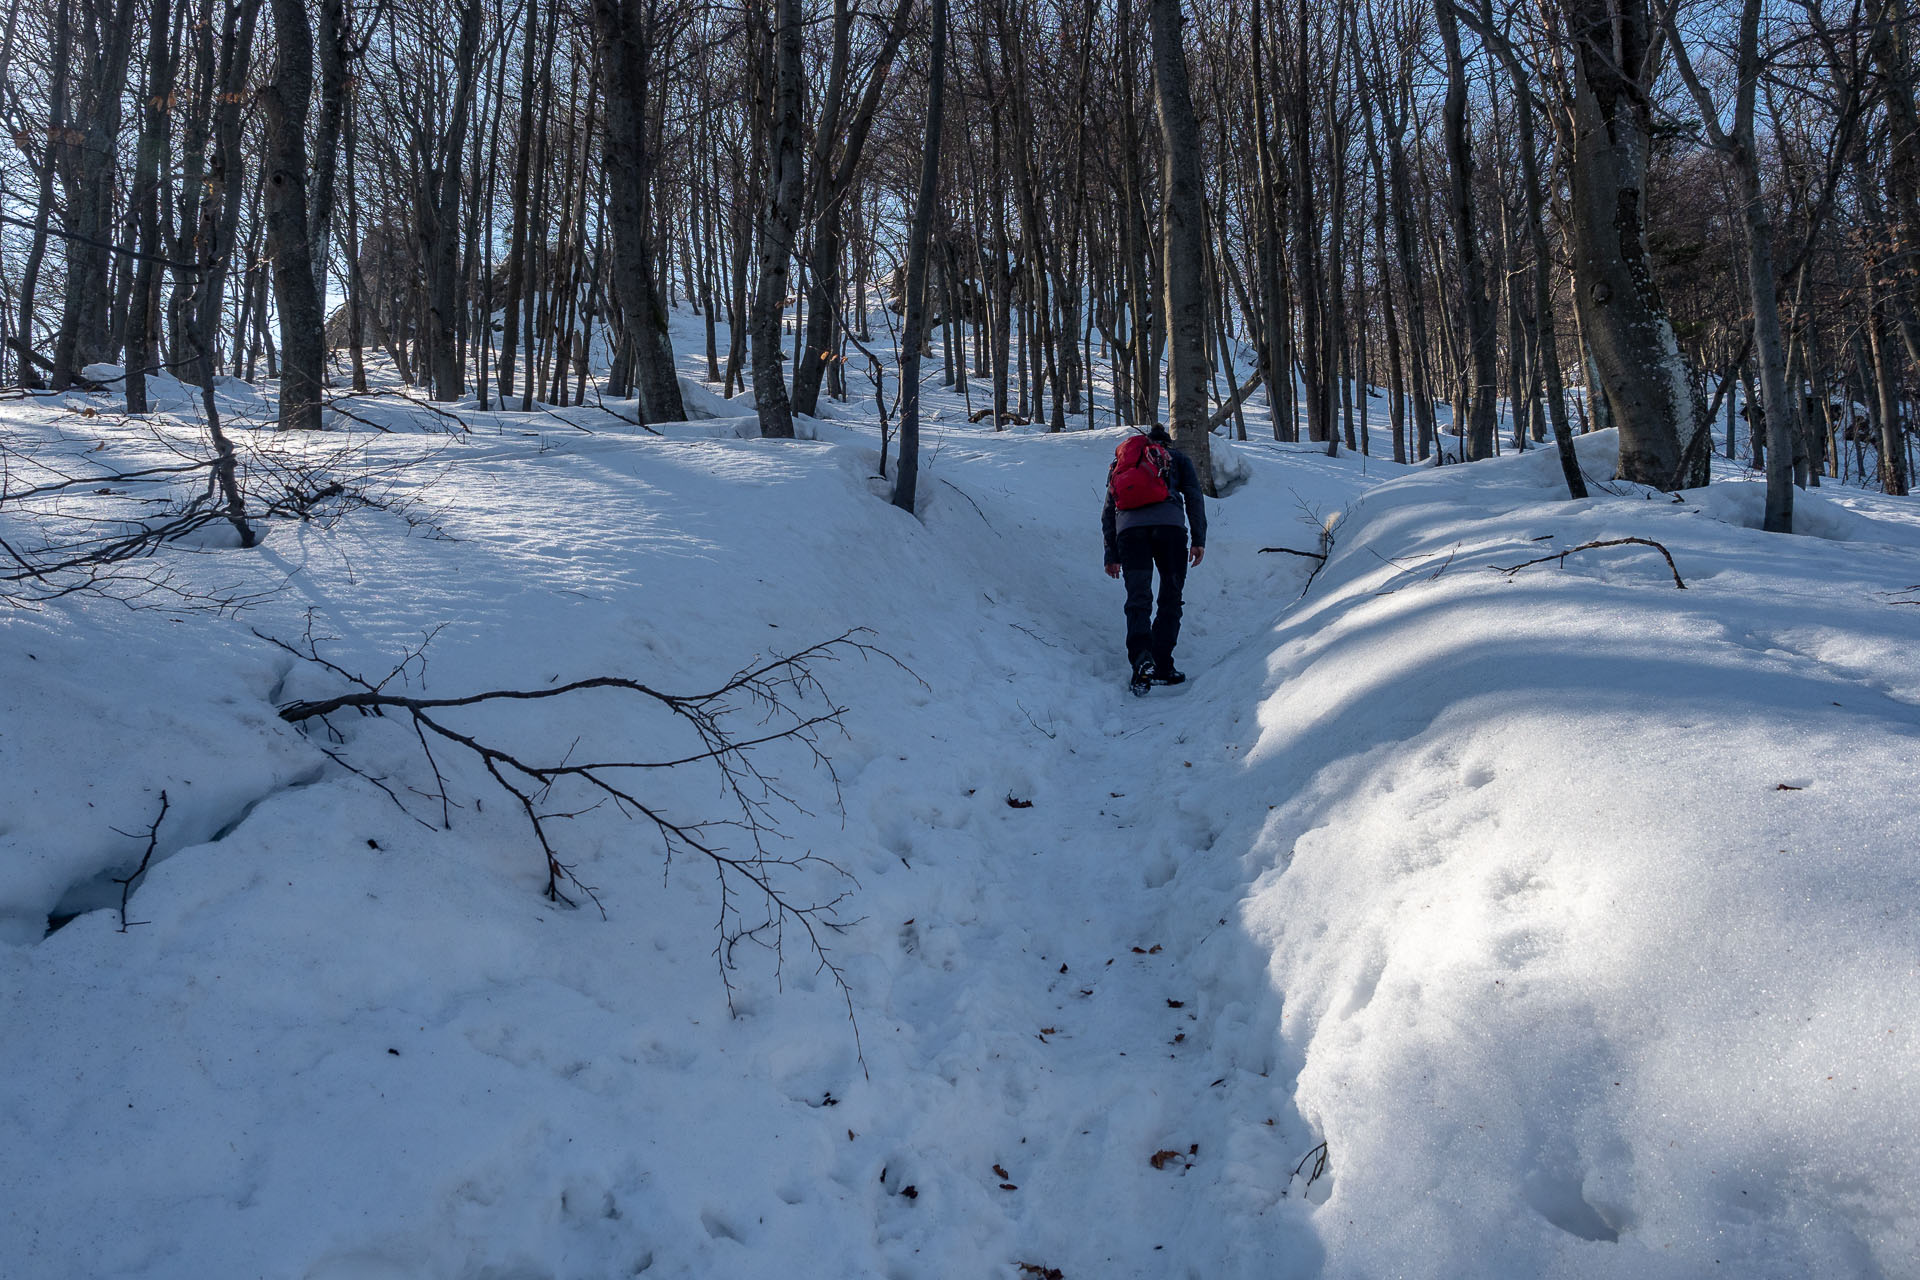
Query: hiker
x,y
1153,498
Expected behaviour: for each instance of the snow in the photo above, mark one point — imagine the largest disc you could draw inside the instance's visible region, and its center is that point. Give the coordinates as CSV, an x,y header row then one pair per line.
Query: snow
x,y
1573,912
1593,961
701,402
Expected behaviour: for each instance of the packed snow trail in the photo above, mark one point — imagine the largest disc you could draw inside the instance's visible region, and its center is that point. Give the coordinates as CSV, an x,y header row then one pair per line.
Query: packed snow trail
x,y
1079,998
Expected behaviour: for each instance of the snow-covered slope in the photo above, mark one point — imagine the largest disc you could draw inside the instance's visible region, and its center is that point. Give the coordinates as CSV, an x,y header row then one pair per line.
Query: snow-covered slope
x,y
1487,884
1593,899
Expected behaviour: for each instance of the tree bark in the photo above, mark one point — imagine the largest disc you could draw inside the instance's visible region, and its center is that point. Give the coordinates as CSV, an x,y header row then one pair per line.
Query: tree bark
x,y
1547,338
330,40
1641,371
226,184
286,99
439,205
1892,55
906,474
779,217
88,163
517,223
1183,232
625,36
36,252
1482,337
138,346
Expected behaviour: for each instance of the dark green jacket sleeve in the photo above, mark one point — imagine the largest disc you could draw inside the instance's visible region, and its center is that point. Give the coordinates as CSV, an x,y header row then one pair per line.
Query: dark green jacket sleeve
x,y
1107,533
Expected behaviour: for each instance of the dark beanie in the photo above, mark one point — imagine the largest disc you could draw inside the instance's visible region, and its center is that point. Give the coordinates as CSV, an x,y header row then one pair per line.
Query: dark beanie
x,y
1159,433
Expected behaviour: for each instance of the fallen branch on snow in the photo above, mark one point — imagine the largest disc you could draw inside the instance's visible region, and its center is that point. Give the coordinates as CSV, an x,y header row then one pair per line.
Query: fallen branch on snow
x,y
1510,570
777,691
94,526
153,842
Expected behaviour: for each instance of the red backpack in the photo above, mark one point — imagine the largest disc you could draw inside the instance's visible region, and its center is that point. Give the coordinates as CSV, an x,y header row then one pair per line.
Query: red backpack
x,y
1142,473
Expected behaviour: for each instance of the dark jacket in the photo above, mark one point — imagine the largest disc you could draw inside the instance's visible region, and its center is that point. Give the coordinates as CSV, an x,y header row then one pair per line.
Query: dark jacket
x,y
1186,494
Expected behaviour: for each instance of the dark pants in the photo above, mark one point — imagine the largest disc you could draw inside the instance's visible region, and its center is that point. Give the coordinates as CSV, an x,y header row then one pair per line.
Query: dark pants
x,y
1142,550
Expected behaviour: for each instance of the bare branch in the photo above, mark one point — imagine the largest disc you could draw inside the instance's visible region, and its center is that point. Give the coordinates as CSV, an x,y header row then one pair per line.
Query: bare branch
x,y
775,689
126,884
1510,570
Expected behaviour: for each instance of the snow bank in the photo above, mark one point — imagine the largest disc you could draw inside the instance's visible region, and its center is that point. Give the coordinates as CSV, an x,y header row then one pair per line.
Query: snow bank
x,y
1230,469
702,402
1743,502
239,401
1592,899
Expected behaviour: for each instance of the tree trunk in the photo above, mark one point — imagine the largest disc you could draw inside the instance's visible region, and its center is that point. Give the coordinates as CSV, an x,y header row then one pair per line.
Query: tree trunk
x,y
36,251
1641,372
779,218
1275,318
622,29
1183,240
1307,274
88,156
439,206
1482,337
1768,341
330,40
823,311
152,148
906,475
226,184
1886,388
1546,336
286,99
517,224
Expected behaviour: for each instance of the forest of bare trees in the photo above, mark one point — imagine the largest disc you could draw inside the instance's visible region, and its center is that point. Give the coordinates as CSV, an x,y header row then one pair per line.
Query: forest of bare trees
x,y
1544,217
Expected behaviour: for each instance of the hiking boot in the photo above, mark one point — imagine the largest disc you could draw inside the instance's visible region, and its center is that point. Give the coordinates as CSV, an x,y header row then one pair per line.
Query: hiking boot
x,y
1167,675
1142,674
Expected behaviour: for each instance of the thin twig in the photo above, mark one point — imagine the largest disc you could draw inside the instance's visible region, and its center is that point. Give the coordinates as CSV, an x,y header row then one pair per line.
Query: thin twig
x,y
153,842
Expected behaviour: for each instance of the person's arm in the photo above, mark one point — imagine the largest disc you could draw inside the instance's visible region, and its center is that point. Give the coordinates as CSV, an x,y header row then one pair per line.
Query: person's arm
x,y
1107,533
1196,503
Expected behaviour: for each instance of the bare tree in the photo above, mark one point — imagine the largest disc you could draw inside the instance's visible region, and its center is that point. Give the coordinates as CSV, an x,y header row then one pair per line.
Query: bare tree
x,y
906,475
1183,240
1607,136
1481,408
780,85
1741,149
287,98
85,159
